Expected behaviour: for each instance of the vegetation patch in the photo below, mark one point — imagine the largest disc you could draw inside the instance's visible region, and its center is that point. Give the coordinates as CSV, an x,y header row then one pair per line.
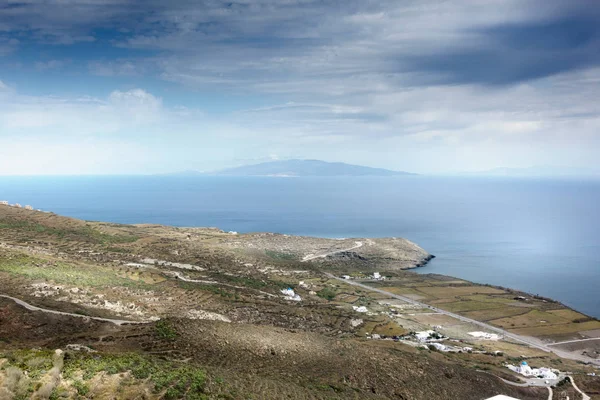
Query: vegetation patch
x,y
327,293
469,305
532,318
164,330
560,329
84,233
60,272
171,379
279,255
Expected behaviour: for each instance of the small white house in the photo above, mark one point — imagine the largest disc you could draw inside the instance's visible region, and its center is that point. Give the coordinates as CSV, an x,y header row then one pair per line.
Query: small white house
x,y
376,275
4,202
18,205
291,295
346,277
29,208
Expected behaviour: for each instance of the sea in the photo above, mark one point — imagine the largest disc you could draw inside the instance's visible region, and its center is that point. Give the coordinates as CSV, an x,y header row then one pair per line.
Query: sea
x,y
539,236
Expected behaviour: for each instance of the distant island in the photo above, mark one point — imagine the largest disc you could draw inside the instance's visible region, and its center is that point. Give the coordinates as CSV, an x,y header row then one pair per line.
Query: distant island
x,y
297,168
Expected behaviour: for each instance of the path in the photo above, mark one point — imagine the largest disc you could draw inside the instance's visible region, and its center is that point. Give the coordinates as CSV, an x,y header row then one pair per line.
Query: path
x,y
312,256
522,339
573,341
583,395
182,277
35,308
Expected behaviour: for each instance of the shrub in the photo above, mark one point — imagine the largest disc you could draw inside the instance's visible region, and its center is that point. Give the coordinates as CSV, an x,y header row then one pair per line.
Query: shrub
x,y
81,387
327,293
165,331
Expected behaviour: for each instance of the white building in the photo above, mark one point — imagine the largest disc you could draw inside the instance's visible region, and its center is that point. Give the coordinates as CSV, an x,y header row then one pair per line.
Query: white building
x,y
376,275
18,205
525,370
291,295
29,208
4,202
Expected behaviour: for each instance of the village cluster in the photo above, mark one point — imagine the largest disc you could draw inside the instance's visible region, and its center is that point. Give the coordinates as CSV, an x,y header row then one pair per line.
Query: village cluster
x,y
16,205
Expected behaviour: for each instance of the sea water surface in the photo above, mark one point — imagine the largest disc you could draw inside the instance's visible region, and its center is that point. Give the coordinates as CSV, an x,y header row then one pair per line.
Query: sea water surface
x,y
541,236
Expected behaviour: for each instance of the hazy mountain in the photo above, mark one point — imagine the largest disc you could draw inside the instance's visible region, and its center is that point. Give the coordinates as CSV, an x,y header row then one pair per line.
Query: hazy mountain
x,y
306,168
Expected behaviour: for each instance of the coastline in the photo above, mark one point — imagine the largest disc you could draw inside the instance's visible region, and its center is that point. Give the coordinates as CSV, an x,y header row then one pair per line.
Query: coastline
x,y
518,292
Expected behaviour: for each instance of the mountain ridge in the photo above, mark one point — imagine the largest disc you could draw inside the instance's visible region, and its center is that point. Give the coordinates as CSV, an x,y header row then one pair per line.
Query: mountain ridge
x,y
300,167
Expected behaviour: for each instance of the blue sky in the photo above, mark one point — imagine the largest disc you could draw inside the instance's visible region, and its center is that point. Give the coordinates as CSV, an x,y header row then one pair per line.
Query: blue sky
x,y
125,86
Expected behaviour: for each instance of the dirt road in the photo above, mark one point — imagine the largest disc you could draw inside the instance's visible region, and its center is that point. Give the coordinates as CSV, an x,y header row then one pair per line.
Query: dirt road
x,y
35,308
313,256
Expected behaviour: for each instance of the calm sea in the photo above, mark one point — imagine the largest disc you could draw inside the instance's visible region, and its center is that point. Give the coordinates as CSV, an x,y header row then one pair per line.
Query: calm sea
x,y
540,236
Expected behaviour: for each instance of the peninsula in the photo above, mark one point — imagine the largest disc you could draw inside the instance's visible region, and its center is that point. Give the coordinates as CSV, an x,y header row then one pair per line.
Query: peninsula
x,y
92,309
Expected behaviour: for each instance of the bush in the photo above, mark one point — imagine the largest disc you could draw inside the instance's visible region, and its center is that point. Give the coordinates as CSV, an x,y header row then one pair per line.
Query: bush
x,y
165,331
171,379
81,387
327,293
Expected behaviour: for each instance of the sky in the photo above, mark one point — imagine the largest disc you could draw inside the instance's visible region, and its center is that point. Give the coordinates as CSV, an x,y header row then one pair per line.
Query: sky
x,y
434,87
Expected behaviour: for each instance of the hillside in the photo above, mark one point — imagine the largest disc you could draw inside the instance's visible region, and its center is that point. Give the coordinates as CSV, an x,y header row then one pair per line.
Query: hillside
x,y
307,168
151,311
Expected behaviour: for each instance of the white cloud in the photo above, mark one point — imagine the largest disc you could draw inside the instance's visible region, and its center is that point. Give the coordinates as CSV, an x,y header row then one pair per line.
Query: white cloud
x,y
114,68
44,115
368,77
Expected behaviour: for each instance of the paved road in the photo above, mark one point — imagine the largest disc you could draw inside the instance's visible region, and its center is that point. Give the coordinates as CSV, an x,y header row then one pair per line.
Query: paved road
x,y
312,256
518,338
34,308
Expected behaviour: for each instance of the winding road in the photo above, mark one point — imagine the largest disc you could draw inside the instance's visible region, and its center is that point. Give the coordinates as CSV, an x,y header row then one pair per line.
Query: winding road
x,y
35,308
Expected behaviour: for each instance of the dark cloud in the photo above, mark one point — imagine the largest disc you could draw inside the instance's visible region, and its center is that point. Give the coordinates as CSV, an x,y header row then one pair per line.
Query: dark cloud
x,y
511,53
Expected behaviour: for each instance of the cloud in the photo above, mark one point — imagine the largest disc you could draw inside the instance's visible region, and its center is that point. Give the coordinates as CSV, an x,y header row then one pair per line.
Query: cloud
x,y
7,45
22,115
50,65
275,46
374,78
516,52
113,68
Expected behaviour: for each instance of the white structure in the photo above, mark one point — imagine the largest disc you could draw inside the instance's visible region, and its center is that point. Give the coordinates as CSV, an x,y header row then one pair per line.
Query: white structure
x,y
525,370
345,276
361,309
291,295
501,397
423,336
485,335
4,202
439,346
29,208
376,275
18,205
